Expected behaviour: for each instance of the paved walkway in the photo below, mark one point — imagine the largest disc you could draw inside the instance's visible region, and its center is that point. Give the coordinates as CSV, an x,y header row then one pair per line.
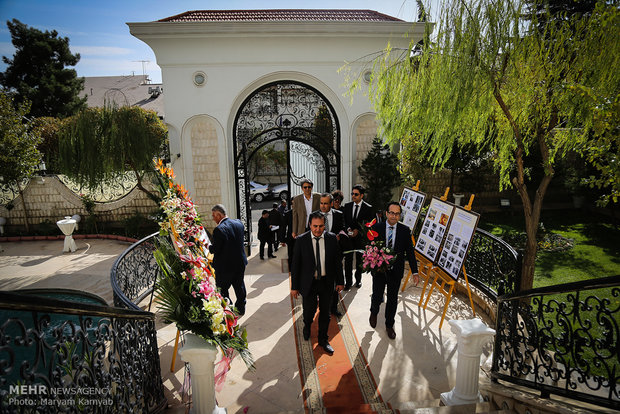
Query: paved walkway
x,y
418,366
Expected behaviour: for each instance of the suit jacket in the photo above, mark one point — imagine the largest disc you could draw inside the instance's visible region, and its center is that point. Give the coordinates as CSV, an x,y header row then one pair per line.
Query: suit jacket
x,y
299,212
227,247
337,221
403,247
264,232
303,266
364,215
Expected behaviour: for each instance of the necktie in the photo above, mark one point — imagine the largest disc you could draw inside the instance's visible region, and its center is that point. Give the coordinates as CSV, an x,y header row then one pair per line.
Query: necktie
x,y
355,212
390,235
326,222
318,258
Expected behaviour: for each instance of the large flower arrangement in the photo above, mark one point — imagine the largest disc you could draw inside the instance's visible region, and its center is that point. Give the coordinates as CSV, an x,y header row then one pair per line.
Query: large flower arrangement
x,y
186,290
376,257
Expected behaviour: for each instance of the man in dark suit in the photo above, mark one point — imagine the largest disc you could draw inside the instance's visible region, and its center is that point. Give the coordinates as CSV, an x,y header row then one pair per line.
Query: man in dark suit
x,y
356,213
396,236
229,259
334,223
317,266
303,205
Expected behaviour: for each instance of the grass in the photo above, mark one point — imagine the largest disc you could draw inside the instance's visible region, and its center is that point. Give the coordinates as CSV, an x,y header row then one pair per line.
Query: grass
x,y
596,251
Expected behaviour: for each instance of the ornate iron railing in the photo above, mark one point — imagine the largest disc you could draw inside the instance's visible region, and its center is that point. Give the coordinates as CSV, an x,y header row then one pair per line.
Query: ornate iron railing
x,y
61,356
562,340
134,274
492,265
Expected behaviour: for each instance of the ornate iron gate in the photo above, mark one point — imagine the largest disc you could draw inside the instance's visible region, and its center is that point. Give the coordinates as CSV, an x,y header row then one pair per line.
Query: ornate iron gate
x,y
300,116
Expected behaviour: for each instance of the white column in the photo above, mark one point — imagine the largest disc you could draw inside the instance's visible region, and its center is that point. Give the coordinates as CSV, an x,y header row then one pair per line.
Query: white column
x,y
472,335
201,358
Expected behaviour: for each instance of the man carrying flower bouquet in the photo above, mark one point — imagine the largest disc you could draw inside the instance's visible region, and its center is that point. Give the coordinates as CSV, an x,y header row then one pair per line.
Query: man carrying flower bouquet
x,y
316,267
396,239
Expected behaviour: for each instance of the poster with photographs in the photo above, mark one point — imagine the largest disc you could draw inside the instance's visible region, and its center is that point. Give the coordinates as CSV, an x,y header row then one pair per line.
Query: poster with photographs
x,y
434,228
411,202
459,235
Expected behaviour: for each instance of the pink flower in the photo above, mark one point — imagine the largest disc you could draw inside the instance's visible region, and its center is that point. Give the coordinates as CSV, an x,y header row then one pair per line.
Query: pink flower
x,y
206,288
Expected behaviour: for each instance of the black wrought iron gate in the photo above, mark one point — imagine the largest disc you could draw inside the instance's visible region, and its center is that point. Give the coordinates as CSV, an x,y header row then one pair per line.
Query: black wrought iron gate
x,y
302,118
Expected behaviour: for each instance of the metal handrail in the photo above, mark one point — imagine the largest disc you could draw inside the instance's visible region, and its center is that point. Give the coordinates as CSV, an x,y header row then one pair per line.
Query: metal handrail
x,y
562,340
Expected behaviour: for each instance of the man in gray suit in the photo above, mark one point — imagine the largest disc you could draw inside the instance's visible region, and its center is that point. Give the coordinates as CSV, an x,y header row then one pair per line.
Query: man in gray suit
x,y
303,205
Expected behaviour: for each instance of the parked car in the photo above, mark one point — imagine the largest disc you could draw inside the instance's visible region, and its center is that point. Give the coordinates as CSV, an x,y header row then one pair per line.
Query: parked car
x,y
280,191
258,191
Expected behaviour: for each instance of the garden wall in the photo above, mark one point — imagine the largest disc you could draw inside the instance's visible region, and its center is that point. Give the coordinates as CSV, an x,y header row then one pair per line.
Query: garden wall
x,y
49,200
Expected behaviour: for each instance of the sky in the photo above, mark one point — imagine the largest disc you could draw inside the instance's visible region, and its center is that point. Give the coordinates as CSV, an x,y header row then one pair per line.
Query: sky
x,y
97,29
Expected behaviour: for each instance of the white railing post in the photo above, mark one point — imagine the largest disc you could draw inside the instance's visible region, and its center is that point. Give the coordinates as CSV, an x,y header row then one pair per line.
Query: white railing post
x,y
472,335
201,358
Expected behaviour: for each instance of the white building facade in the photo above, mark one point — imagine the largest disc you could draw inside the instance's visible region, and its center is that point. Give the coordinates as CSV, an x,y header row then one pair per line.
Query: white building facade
x,y
220,68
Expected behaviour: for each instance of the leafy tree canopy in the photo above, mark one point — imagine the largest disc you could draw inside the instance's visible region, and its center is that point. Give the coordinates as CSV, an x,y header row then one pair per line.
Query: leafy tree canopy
x,y
98,143
38,72
500,82
19,156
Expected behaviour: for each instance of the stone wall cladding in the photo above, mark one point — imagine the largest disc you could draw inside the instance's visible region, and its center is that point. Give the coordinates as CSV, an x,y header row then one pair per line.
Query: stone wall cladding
x,y
51,201
206,166
366,131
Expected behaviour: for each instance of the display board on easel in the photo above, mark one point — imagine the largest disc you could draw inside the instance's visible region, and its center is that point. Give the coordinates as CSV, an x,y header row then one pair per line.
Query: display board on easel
x,y
434,228
458,240
411,201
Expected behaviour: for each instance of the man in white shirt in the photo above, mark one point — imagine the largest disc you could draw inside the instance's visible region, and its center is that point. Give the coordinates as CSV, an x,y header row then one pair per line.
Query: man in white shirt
x,y
334,223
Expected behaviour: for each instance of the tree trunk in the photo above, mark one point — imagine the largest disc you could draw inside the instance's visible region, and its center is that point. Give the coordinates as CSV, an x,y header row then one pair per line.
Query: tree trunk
x,y
26,218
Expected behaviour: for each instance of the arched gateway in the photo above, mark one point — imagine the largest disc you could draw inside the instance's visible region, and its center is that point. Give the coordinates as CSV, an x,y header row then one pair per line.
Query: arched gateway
x,y
303,121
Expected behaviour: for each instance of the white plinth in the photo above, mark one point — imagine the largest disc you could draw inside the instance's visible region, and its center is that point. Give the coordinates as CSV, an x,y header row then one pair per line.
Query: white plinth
x,y
67,226
472,335
201,358
457,198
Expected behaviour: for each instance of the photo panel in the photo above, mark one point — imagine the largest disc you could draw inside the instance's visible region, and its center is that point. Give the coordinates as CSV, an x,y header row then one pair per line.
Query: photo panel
x,y
459,234
434,229
411,202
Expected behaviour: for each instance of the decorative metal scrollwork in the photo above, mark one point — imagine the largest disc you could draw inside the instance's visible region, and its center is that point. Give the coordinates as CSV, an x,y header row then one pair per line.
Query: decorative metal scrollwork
x,y
117,188
562,339
285,111
8,193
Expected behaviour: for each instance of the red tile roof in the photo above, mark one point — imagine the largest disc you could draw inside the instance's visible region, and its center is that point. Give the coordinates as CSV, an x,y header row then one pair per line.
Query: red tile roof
x,y
281,15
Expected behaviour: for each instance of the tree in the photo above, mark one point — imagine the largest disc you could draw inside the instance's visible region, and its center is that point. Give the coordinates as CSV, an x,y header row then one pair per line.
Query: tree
x,y
37,72
489,69
379,170
19,156
99,143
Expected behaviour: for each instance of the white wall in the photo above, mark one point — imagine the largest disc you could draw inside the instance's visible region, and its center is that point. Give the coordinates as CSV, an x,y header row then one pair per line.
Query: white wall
x,y
240,57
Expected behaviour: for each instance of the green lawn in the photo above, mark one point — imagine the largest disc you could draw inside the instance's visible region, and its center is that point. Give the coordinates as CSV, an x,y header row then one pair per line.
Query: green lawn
x,y
596,251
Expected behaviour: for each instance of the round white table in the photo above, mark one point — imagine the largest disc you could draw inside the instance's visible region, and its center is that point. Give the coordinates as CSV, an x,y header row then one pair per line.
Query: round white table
x,y
67,226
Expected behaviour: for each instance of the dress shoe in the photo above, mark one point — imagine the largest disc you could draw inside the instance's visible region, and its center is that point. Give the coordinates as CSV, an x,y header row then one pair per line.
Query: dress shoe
x,y
336,313
390,332
347,287
306,332
262,258
373,320
327,347
358,285
272,257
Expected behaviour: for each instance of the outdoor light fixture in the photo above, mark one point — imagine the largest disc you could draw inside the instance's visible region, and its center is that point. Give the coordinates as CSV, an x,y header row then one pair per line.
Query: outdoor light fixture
x,y
200,78
366,76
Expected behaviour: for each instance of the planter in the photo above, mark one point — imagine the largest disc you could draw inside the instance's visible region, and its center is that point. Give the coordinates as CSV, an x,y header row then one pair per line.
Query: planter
x,y
201,358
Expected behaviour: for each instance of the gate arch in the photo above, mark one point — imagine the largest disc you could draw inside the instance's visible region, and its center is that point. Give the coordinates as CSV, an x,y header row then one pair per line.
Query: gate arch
x,y
294,113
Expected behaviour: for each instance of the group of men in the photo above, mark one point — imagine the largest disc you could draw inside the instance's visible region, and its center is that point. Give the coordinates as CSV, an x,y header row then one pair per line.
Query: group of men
x,y
322,233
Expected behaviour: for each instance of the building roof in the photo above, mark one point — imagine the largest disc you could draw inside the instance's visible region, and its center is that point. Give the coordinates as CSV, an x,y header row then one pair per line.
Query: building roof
x,y
281,16
124,90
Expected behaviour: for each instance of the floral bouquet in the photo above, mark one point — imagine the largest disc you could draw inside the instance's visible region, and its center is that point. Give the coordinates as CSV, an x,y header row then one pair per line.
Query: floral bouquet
x,y
376,257
186,288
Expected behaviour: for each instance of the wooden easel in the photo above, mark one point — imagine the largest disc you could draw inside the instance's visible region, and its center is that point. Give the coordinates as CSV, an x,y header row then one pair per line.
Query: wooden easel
x,y
445,283
425,266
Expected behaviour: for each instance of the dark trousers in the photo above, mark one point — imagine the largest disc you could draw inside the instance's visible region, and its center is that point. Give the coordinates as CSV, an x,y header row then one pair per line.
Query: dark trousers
x,y
268,242
335,299
275,240
225,281
348,268
321,291
379,282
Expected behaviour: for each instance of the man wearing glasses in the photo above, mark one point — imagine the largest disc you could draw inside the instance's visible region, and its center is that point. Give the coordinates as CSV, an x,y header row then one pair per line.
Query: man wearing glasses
x,y
397,237
303,205
356,213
